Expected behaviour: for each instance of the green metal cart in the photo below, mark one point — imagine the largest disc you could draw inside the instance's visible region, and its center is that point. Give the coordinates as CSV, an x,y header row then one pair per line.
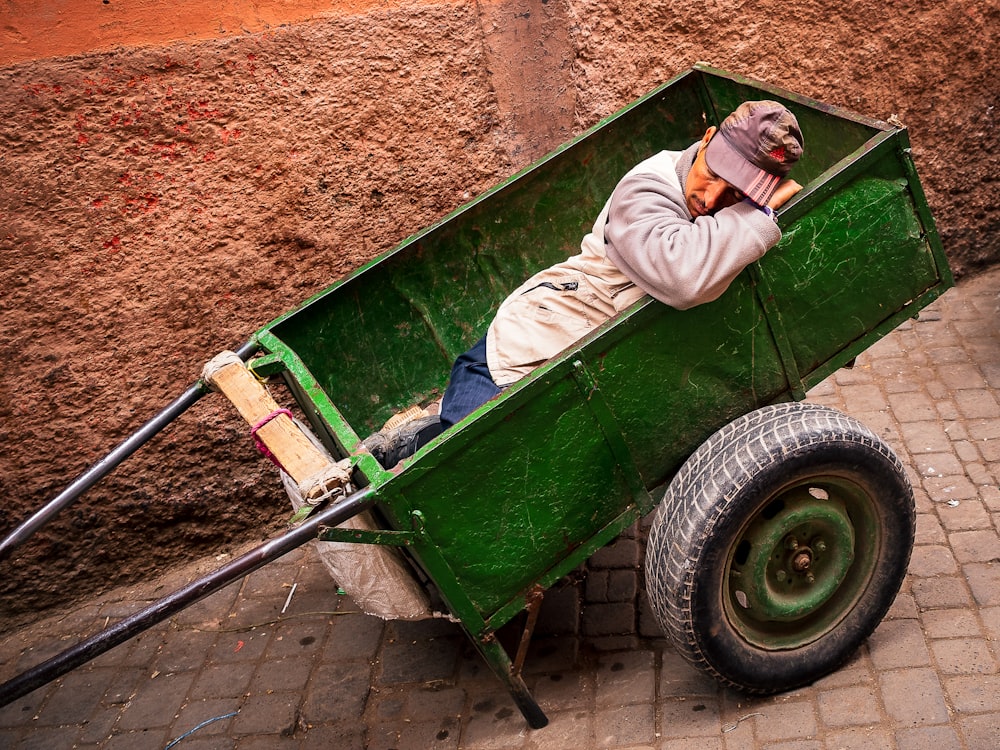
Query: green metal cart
x,y
785,528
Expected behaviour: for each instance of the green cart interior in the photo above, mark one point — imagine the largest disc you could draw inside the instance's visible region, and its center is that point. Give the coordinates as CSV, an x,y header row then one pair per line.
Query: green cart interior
x,y
532,483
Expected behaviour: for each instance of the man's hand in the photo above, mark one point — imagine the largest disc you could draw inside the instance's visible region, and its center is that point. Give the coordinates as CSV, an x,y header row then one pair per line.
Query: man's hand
x,y
786,189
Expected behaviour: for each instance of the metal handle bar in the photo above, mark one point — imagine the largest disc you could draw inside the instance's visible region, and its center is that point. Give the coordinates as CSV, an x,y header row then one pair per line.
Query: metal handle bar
x,y
160,610
109,463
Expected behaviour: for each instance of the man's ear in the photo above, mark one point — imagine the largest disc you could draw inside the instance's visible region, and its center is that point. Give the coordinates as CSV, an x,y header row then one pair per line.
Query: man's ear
x,y
708,136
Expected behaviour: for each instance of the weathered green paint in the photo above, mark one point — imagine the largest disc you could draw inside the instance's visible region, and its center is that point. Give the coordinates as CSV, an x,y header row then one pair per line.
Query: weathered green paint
x,y
531,484
797,558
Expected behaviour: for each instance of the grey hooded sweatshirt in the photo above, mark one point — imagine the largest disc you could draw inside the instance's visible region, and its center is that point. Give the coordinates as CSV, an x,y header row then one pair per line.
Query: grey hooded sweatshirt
x,y
644,241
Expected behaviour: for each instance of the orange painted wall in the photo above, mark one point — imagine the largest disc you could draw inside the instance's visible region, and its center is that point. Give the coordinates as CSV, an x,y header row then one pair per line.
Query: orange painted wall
x,y
37,29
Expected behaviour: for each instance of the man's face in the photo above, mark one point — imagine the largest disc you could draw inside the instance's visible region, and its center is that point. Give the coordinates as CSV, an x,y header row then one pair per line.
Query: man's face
x,y
705,192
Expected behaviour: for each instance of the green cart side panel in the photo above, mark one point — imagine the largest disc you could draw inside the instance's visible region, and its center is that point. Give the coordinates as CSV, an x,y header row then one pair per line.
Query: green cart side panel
x,y
837,275
531,483
697,368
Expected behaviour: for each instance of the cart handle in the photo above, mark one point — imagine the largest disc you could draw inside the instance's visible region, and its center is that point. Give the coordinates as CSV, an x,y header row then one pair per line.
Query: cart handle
x,y
274,430
110,462
160,610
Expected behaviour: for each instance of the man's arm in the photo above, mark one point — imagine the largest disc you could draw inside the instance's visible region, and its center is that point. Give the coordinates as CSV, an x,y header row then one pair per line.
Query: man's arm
x,y
650,236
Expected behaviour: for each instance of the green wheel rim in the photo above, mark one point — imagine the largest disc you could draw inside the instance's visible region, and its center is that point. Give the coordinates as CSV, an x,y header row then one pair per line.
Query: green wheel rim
x,y
801,562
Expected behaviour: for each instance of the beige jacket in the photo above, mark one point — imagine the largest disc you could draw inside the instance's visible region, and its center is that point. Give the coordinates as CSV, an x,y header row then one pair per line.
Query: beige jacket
x,y
643,242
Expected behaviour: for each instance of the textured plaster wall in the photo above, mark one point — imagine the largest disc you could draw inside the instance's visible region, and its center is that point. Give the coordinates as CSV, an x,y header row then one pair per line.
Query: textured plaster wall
x,y
161,196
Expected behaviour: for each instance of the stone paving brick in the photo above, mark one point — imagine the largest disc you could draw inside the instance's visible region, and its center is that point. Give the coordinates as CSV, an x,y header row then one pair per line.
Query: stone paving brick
x,y
739,732
693,743
929,530
984,580
978,403
558,692
928,738
494,727
611,618
963,656
155,701
552,655
621,726
625,677
567,729
912,407
679,679
990,495
223,681
76,699
940,592
352,637
690,718
991,621
913,697
898,643
926,437
283,674
623,585
975,546
861,738
980,732
938,466
417,735
184,650
950,623
268,713
208,715
903,606
849,706
296,638
622,553
786,720
974,694
560,611
857,671
948,490
932,560
98,727
863,398
968,454
596,586
963,375
967,514
336,693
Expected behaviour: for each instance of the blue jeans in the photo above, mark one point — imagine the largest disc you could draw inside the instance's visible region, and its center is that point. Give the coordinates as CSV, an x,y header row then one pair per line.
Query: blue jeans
x,y
470,387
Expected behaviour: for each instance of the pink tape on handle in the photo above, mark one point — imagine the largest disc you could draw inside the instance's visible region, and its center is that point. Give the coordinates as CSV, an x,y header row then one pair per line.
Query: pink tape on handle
x,y
260,443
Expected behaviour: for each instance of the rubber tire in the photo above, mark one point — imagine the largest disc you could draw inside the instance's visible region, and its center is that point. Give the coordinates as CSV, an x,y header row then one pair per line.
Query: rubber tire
x,y
717,494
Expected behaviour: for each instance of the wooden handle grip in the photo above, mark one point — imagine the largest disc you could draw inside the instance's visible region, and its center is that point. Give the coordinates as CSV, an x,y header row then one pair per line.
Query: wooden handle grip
x,y
290,447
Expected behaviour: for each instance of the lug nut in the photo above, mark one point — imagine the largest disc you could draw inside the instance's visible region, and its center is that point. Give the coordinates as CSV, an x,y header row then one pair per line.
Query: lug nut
x,y
801,562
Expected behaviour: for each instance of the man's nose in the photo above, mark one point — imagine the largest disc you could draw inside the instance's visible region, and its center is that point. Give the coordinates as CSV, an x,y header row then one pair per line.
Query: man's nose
x,y
714,194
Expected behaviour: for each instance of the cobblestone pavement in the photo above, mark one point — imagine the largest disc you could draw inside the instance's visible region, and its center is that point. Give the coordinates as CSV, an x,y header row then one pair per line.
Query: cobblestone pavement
x,y
263,665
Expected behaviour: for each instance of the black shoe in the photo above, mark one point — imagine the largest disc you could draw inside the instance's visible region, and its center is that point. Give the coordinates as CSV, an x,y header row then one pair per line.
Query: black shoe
x,y
391,446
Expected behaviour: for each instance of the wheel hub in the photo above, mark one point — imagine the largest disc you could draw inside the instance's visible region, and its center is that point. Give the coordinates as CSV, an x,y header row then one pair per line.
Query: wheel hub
x,y
794,558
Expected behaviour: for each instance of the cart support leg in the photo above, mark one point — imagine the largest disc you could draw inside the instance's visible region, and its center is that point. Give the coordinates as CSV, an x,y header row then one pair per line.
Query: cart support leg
x,y
534,605
498,660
